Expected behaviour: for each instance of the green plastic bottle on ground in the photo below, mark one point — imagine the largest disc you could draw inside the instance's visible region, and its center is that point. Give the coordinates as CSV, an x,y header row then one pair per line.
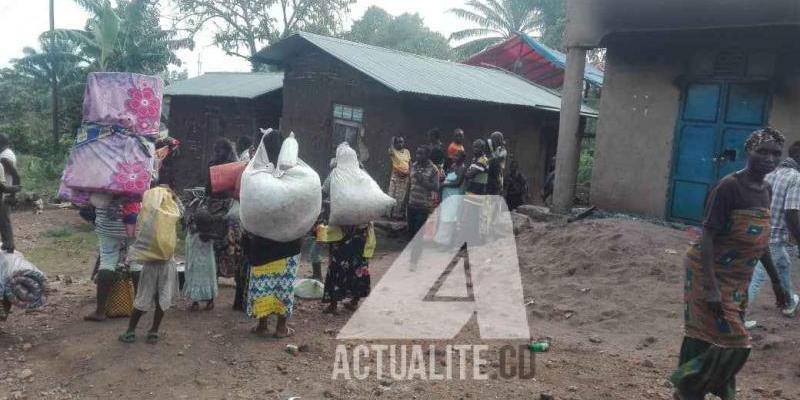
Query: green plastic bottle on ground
x,y
539,346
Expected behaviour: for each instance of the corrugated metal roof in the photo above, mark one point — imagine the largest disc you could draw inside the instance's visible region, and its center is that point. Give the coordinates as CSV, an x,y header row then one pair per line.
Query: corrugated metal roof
x,y
410,73
526,56
240,85
592,74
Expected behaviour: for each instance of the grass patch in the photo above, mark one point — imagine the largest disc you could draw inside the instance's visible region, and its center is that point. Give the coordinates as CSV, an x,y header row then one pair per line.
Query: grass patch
x,y
60,232
66,250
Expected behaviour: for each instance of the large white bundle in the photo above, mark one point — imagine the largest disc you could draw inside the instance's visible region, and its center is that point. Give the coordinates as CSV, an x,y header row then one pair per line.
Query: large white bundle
x,y
283,203
21,282
355,197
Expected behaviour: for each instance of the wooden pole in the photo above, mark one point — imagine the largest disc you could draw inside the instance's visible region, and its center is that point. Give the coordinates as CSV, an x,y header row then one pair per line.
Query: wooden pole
x,y
568,153
53,77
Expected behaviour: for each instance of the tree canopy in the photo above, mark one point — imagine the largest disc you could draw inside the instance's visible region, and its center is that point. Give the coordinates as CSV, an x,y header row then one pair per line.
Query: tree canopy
x,y
125,36
243,27
497,20
406,32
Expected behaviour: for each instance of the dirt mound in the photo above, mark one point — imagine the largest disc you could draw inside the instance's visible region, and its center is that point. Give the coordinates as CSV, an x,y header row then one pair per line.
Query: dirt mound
x,y
615,278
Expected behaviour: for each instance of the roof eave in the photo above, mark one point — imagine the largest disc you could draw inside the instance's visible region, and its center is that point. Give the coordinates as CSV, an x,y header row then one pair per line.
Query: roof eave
x,y
224,96
540,107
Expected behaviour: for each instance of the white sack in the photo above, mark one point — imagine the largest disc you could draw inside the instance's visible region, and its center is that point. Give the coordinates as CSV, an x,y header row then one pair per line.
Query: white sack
x,y
280,204
356,198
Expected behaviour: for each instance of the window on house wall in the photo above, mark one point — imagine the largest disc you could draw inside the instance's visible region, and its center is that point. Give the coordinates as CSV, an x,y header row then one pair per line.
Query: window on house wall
x,y
348,113
348,125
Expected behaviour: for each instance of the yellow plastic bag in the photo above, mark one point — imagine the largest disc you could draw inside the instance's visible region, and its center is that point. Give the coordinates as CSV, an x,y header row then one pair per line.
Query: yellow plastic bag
x,y
372,242
157,235
329,234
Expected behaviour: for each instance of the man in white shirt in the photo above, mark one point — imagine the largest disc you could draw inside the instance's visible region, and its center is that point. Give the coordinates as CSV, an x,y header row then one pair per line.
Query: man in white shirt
x,y
10,184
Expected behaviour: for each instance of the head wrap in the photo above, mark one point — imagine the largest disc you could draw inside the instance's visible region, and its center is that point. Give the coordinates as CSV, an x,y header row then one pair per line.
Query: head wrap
x,y
762,136
166,149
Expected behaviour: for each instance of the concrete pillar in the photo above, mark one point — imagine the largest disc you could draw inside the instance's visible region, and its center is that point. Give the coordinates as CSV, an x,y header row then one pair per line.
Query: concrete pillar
x,y
569,135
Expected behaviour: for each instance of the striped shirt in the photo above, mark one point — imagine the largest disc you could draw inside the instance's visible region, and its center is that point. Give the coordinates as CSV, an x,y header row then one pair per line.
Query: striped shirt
x,y
424,182
108,222
785,182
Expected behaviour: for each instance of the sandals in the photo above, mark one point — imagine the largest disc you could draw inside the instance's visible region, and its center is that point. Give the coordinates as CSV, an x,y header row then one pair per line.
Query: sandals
x,y
130,337
209,306
152,337
127,337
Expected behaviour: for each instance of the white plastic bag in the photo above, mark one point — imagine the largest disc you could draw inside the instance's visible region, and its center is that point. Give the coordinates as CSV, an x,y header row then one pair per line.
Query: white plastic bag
x,y
355,197
280,204
310,289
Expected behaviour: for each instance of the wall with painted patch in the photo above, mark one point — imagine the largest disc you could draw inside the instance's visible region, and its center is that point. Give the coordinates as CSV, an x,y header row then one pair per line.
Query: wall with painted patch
x,y
635,131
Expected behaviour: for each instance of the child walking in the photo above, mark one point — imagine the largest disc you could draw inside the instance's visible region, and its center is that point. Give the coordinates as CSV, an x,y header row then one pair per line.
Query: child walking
x,y
154,249
201,265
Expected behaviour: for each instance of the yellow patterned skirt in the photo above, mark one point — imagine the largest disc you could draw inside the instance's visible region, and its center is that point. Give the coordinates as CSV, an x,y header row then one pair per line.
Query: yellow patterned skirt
x,y
271,289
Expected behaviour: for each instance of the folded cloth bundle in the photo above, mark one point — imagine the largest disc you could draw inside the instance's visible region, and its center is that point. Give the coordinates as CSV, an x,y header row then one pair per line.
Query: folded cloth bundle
x,y
123,99
76,197
117,164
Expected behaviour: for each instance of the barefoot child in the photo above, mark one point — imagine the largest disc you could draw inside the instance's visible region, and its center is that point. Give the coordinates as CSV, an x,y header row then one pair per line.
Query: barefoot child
x,y
154,249
201,266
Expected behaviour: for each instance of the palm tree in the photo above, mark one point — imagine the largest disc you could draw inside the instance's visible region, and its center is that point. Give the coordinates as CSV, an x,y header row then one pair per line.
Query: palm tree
x,y
53,82
57,64
127,37
498,20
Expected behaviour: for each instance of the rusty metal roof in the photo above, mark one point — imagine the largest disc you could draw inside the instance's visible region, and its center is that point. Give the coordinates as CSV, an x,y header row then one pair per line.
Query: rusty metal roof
x,y
239,85
409,73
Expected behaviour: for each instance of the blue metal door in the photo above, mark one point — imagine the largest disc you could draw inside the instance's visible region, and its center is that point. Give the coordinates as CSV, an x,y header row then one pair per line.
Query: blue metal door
x,y
716,119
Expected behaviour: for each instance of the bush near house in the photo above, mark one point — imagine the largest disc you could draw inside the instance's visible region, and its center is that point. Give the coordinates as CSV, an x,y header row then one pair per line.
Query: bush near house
x,y
40,175
586,162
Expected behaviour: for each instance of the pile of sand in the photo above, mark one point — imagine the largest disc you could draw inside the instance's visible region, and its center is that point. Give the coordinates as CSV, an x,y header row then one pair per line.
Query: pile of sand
x,y
617,278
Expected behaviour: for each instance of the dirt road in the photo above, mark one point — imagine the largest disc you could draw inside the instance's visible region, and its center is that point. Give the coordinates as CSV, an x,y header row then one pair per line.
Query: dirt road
x,y
608,293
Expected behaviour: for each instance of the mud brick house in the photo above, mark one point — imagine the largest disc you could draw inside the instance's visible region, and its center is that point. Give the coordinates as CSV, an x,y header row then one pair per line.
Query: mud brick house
x,y
335,90
685,83
219,104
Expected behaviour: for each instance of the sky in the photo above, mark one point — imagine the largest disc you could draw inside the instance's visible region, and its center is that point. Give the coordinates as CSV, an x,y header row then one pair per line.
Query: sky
x,y
21,22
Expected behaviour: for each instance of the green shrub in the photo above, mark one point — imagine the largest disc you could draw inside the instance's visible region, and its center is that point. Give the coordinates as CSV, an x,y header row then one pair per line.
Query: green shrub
x,y
585,165
40,175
